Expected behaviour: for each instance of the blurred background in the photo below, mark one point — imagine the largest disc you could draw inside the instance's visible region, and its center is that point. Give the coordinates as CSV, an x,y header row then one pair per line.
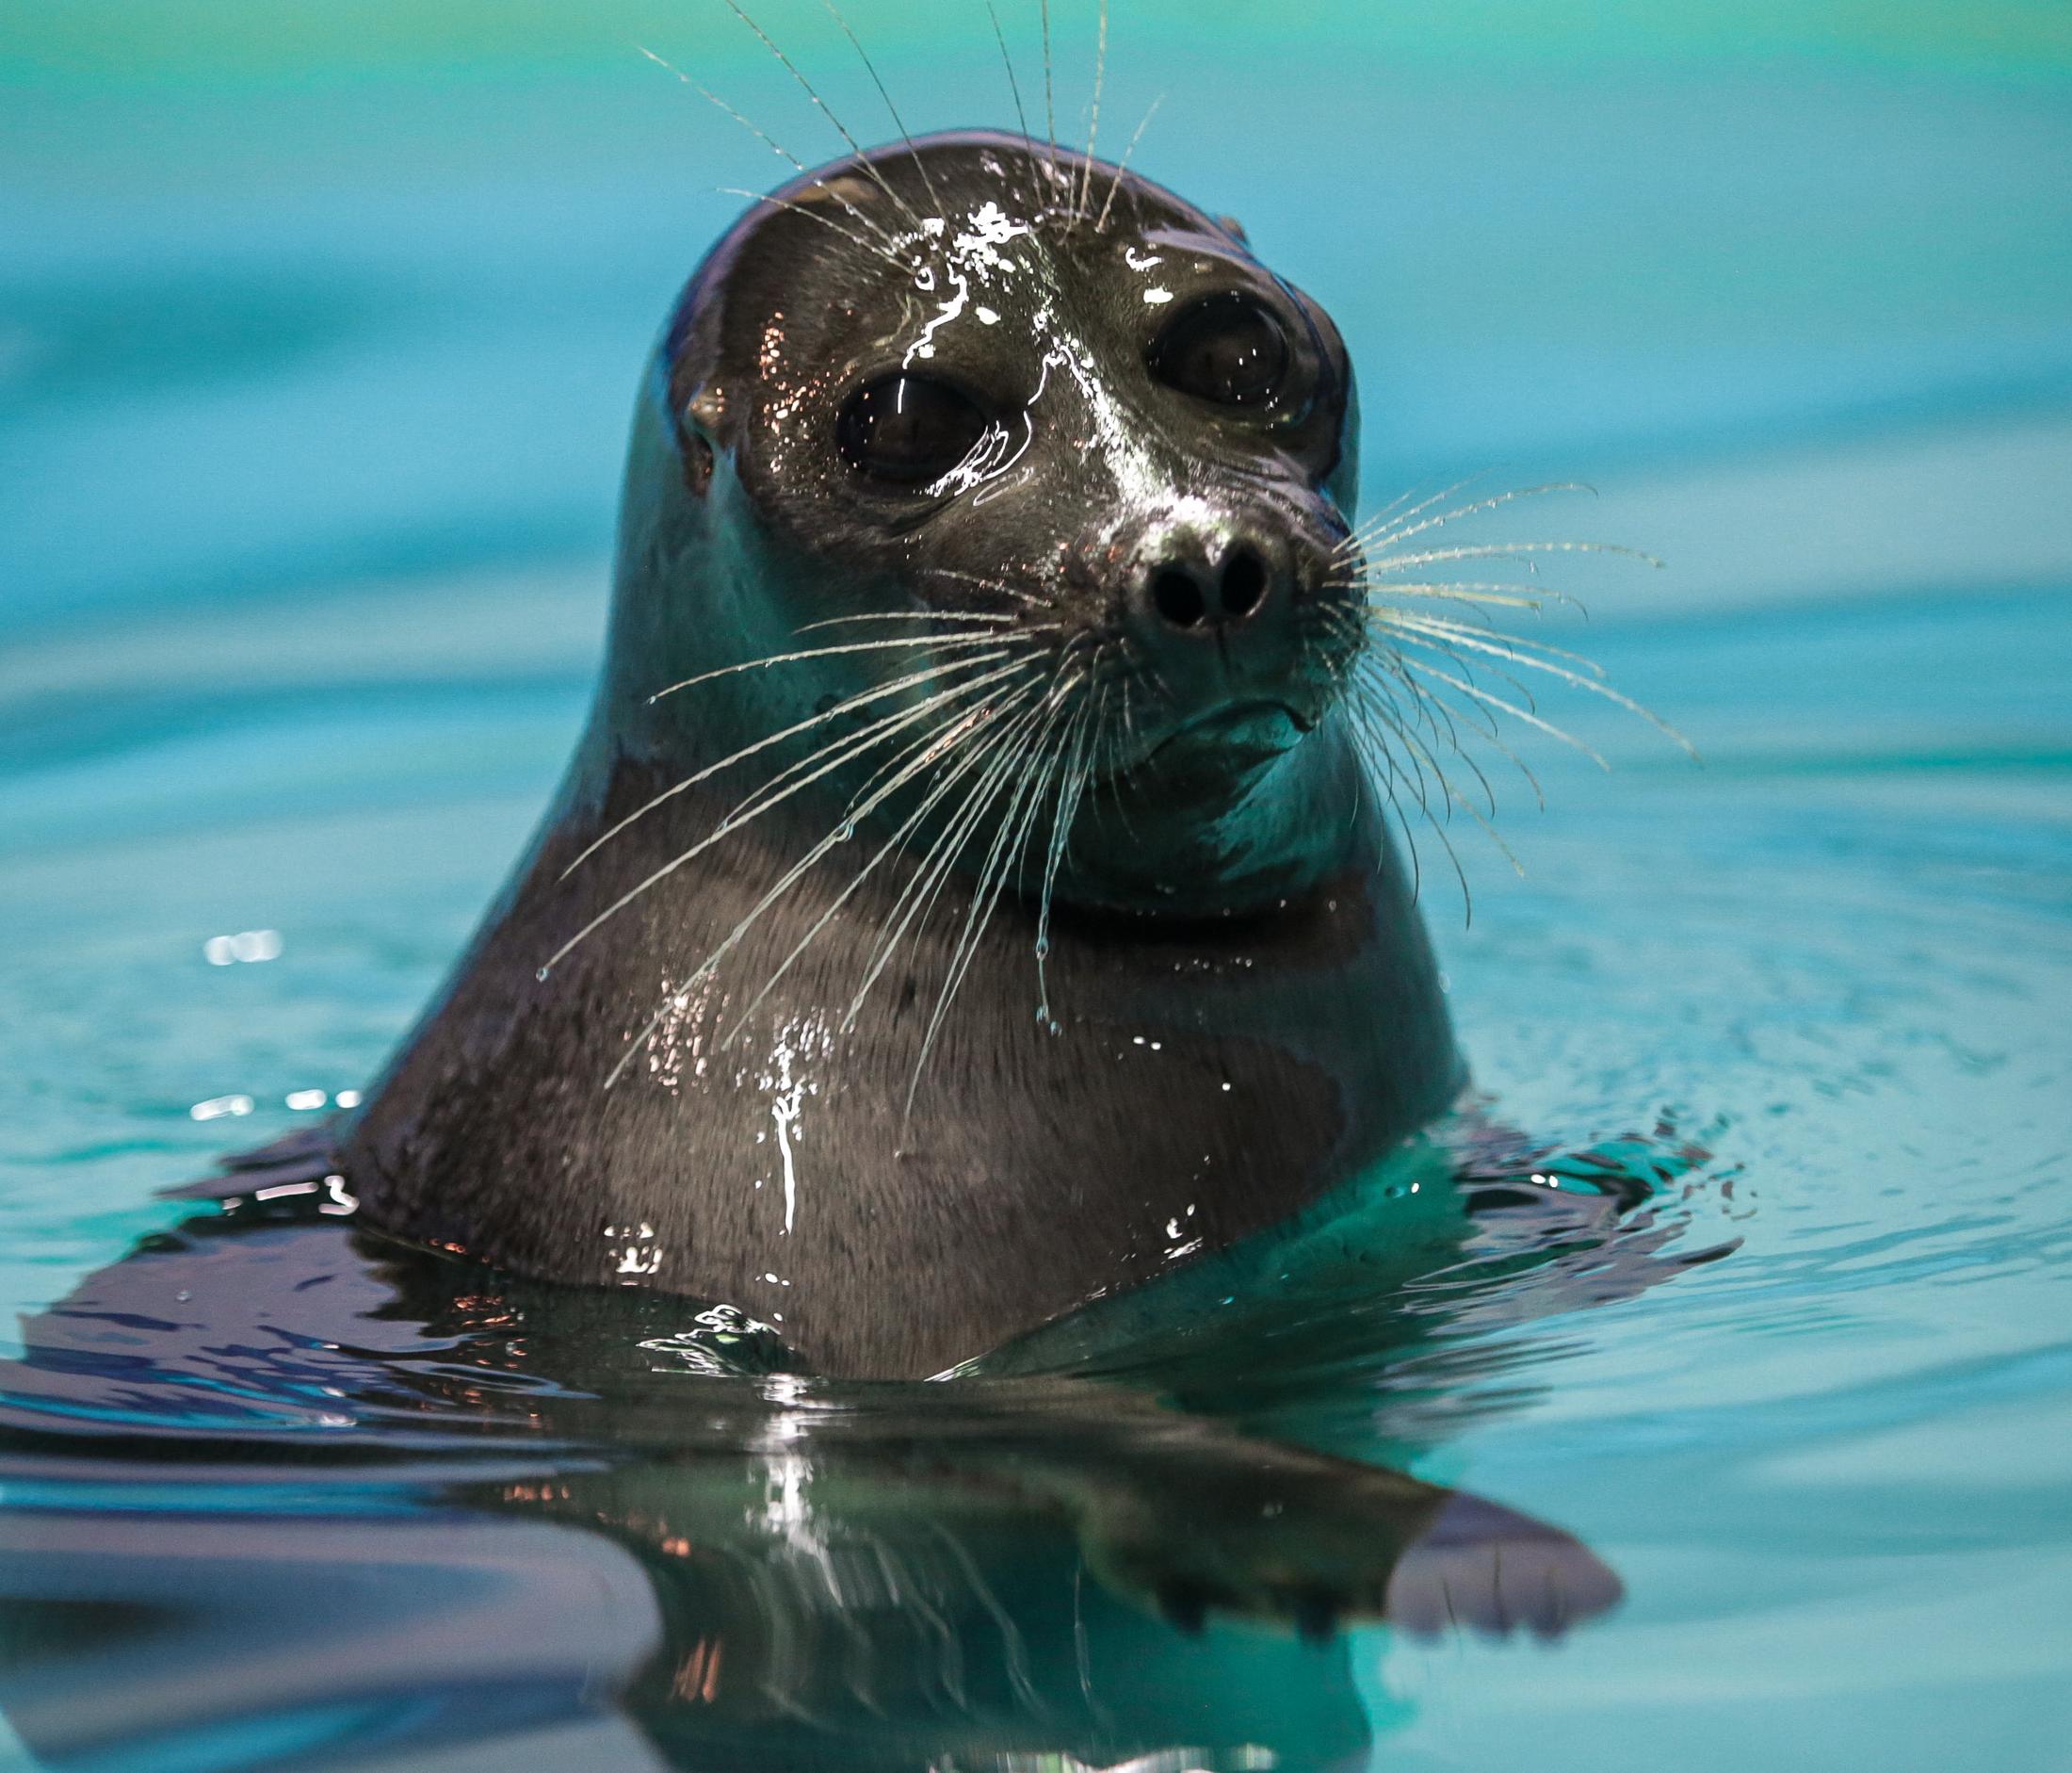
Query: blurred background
x,y
320,328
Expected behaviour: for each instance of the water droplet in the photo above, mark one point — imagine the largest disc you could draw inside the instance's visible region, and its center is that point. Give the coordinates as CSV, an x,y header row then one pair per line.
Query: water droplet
x,y
1043,948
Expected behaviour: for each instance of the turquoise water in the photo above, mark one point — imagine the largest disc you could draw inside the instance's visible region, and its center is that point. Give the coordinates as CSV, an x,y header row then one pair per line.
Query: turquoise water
x,y
311,400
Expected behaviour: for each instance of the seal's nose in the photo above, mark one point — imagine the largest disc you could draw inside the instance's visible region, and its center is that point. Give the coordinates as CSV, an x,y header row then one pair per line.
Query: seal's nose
x,y
1192,589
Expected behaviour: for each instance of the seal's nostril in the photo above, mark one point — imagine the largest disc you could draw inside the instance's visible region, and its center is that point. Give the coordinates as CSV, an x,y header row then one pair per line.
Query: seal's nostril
x,y
1244,583
1178,598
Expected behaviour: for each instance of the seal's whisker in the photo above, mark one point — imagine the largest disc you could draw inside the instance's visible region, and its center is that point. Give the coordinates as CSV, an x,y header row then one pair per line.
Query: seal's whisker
x,y
1474,812
848,706
1482,720
1018,782
1049,102
914,903
950,642
883,730
1051,764
849,235
1383,673
1495,593
867,166
959,736
1511,709
1021,116
1346,623
1437,826
1518,648
943,744
907,615
899,122
1455,800
1516,655
677,996
1111,732
1503,550
938,861
1380,768
1393,510
1414,781
1466,663
1071,788
848,746
1085,194
1007,838
1020,593
1122,166
839,833
1474,768
1123,744
1008,768
1432,709
1395,690
1533,781
1104,758
1389,662
1052,773
1439,829
917,897
1401,529
887,243
1050,105
1380,528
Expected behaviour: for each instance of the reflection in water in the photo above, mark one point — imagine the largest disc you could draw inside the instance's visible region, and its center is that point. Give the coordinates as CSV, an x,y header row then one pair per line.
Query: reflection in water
x,y
279,1485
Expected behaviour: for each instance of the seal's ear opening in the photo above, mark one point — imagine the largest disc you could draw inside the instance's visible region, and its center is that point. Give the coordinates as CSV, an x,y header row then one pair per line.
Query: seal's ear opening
x,y
692,443
1235,229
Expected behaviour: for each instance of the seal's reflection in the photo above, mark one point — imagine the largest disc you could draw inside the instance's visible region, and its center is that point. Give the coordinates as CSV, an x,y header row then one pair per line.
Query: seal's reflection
x,y
1040,1569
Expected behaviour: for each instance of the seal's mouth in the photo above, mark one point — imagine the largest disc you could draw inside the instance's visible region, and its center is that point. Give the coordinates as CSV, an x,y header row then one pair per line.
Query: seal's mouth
x,y
1231,740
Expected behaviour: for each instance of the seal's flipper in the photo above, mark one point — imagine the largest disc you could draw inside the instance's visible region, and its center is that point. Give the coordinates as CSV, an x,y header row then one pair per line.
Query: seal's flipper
x,y
1279,1535
1482,1568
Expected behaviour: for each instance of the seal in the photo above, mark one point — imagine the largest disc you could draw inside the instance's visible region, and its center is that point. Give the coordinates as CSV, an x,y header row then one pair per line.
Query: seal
x,y
970,896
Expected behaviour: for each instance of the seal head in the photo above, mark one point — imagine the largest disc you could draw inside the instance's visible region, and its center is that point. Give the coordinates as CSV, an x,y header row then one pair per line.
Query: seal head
x,y
1129,446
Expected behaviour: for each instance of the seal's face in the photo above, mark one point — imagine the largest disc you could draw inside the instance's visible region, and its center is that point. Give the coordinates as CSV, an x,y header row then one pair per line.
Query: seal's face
x,y
1077,421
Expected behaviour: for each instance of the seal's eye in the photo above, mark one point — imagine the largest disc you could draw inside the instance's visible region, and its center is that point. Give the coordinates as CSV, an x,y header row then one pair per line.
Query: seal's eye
x,y
907,428
1226,349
